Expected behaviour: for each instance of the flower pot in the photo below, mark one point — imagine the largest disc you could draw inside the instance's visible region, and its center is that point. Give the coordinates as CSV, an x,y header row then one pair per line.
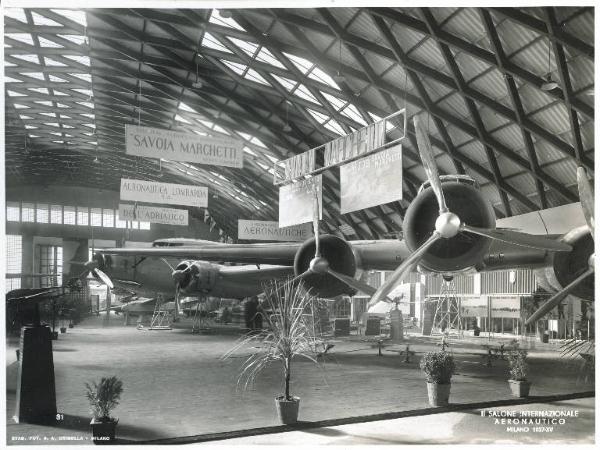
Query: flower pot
x,y
438,393
287,410
545,338
519,388
103,432
476,332
54,335
63,329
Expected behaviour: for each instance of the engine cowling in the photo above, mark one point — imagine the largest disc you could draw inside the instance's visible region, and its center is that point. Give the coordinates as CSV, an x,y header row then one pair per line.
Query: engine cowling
x,y
464,250
341,258
198,277
566,266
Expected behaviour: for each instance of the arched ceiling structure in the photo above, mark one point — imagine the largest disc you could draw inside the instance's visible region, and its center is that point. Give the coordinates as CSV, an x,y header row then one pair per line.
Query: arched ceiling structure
x,y
286,80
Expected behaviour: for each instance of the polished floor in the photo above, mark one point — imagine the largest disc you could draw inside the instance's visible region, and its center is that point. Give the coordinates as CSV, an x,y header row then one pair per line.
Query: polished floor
x,y
176,385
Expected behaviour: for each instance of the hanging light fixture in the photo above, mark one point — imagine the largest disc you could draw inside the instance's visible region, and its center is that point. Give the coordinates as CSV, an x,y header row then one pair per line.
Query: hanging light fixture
x,y
197,84
287,128
339,77
549,84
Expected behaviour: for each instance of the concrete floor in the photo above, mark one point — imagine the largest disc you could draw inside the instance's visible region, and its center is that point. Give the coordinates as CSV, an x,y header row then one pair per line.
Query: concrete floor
x,y
175,383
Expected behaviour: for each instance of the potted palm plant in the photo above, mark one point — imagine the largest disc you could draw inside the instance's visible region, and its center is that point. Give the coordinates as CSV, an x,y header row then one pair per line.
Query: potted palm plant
x,y
439,368
517,363
286,336
104,397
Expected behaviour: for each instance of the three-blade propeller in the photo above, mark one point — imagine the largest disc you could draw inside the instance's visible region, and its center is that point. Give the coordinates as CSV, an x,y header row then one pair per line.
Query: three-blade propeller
x,y
586,195
92,267
449,224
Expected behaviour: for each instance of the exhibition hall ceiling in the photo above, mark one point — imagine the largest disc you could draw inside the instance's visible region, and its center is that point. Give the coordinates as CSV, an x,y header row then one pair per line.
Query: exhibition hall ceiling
x,y
287,80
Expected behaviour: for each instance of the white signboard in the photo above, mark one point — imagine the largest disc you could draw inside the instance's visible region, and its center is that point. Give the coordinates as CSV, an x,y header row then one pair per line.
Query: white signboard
x,y
153,214
259,230
296,201
176,146
371,181
168,193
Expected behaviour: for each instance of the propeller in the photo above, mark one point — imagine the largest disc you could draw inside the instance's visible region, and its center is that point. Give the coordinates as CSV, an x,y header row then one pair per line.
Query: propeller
x,y
586,195
91,267
179,276
449,224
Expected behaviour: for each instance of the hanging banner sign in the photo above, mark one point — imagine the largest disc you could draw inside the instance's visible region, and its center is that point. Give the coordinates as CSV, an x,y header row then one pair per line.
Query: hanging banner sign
x,y
355,144
167,193
259,230
153,214
176,146
296,201
371,181
299,165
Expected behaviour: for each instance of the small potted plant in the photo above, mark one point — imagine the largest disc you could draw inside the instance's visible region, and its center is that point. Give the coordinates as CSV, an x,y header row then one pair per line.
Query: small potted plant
x,y
285,337
439,368
103,398
517,363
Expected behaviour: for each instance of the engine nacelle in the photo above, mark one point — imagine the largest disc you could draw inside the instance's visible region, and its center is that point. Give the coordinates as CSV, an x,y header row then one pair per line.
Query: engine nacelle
x,y
566,266
464,250
198,277
341,258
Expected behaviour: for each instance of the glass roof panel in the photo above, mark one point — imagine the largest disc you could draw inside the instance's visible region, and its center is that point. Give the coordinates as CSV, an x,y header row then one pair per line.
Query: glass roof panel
x,y
15,94
47,43
43,102
303,92
212,42
249,151
248,47
255,76
286,83
40,90
321,118
75,38
81,59
351,112
11,80
264,55
16,13
221,129
28,58
181,119
304,65
84,92
56,79
83,76
19,106
25,38
75,15
187,108
38,19
53,63
336,102
335,127
319,75
36,75
257,141
240,69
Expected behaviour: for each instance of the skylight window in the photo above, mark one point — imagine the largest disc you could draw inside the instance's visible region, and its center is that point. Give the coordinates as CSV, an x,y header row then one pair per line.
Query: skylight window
x,y
40,90
181,119
336,102
75,38
86,104
56,79
24,117
43,102
304,65
257,141
201,133
255,76
87,92
272,159
206,123
11,80
75,15
16,94
212,42
185,107
85,60
16,13
236,67
19,106
303,92
29,127
319,75
321,118
64,116
46,43
288,84
38,19
351,112
248,47
216,18
28,58
91,116
82,76
90,125
67,126
221,130
62,105
56,133
48,114
264,55
335,127
59,93
25,38
53,63
262,166
249,151
51,124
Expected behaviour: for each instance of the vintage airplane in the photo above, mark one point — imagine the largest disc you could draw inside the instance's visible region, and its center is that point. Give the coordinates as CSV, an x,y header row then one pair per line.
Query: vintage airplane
x,y
448,228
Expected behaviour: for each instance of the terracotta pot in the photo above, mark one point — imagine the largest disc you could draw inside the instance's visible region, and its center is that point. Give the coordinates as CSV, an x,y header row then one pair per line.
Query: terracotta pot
x,y
476,332
287,410
103,432
438,393
63,329
519,388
